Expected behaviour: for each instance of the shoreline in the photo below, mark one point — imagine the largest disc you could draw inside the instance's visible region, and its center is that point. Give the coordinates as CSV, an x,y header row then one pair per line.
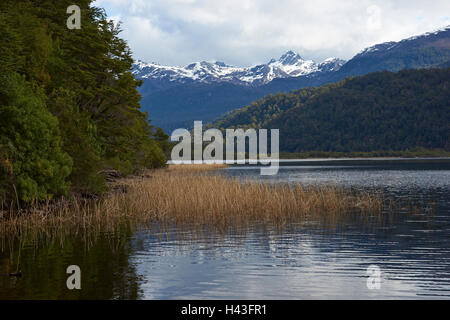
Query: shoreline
x,y
286,160
189,196
423,154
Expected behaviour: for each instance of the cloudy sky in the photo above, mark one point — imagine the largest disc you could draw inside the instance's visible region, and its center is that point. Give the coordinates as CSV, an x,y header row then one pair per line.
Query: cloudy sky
x,y
248,32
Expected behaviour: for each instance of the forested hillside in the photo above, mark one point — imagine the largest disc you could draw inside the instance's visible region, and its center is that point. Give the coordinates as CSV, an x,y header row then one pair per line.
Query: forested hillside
x,y
69,105
379,111
176,101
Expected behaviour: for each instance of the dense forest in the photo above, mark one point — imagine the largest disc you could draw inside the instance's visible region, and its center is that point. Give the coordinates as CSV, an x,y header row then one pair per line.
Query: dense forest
x,y
380,111
69,105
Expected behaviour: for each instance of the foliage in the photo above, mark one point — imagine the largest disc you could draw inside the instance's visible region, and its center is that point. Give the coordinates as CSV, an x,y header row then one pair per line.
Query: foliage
x,y
81,77
34,164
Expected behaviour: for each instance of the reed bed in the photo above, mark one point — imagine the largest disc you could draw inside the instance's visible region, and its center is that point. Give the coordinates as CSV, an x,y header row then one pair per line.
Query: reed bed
x,y
190,197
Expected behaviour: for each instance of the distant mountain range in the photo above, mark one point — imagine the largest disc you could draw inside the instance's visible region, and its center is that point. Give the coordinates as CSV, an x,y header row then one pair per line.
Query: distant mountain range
x,y
289,65
176,96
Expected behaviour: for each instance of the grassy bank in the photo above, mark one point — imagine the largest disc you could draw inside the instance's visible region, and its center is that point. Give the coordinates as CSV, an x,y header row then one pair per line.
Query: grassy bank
x,y
192,197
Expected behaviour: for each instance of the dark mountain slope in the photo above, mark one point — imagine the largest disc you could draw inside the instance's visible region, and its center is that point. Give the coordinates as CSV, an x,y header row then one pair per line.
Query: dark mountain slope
x,y
379,111
414,53
180,106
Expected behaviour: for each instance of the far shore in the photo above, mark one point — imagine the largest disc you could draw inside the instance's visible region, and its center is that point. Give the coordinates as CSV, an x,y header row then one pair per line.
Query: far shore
x,y
413,154
419,154
306,160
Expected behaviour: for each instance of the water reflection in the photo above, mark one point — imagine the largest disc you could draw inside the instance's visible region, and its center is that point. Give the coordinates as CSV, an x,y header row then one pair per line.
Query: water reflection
x,y
301,264
106,271
302,261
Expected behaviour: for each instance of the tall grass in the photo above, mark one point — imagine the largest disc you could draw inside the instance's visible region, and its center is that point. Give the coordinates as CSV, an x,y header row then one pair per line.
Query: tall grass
x,y
190,197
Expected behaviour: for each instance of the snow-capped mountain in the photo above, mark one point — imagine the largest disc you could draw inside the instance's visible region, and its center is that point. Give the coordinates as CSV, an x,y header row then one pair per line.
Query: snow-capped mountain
x,y
177,96
421,51
289,65
386,46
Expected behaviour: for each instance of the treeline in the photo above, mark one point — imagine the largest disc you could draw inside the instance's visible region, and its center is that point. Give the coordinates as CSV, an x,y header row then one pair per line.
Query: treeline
x,y
380,111
69,105
410,153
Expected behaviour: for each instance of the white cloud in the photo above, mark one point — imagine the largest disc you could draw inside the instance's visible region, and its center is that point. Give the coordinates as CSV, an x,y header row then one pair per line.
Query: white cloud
x,y
244,32
374,22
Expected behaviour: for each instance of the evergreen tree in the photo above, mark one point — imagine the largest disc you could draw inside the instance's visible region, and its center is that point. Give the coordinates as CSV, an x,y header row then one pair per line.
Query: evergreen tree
x,y
69,104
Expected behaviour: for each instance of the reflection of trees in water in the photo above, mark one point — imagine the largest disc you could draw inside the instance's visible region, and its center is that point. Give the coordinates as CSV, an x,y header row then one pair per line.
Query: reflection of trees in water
x,y
106,272
106,263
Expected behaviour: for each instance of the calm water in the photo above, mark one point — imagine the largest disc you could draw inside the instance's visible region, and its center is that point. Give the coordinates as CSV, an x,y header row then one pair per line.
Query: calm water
x,y
306,261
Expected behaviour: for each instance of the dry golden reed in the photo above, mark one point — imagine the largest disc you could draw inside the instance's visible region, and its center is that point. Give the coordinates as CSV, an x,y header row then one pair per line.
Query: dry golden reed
x,y
191,196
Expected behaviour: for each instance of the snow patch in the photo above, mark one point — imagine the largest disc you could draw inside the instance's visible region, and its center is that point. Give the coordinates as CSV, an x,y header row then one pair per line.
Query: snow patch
x,y
290,64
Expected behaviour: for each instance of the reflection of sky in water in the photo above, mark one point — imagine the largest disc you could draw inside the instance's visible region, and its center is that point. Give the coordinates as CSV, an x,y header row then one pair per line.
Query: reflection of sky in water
x,y
296,266
364,176
412,251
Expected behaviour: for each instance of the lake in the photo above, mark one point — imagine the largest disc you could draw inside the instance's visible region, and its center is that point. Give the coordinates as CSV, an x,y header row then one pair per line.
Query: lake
x,y
410,248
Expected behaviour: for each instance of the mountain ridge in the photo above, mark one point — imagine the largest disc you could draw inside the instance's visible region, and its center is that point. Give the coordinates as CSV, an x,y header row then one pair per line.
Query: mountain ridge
x,y
289,65
173,104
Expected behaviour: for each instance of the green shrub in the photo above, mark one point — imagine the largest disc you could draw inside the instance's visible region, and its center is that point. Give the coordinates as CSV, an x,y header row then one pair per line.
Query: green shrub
x,y
34,164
